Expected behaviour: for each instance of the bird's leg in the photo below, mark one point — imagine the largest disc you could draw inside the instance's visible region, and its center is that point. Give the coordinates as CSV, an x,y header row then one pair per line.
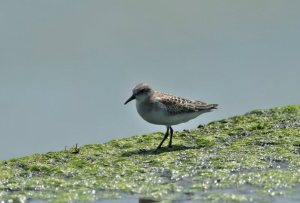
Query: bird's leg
x,y
166,135
170,143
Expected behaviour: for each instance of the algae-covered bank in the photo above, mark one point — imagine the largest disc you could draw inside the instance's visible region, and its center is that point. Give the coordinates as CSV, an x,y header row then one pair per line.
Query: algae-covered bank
x,y
254,157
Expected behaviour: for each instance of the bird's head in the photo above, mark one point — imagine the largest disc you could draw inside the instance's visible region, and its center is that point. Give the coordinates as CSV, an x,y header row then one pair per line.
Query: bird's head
x,y
141,92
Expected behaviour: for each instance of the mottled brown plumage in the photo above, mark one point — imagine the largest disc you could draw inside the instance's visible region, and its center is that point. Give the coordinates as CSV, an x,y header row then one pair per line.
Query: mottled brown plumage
x,y
178,105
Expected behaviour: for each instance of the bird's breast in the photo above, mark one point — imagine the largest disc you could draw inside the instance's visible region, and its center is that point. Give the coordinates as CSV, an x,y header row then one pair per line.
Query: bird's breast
x,y
151,113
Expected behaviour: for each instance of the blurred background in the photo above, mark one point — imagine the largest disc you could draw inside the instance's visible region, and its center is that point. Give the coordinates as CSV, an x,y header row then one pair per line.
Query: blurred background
x,y
67,67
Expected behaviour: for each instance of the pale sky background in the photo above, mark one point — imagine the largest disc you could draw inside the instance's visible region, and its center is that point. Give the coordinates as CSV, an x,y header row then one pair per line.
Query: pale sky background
x,y
67,67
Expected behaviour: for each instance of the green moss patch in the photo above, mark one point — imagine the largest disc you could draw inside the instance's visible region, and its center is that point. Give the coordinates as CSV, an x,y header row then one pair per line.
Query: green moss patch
x,y
259,151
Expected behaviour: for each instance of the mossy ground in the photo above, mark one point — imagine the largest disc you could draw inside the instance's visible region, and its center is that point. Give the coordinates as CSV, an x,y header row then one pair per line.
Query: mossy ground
x,y
259,152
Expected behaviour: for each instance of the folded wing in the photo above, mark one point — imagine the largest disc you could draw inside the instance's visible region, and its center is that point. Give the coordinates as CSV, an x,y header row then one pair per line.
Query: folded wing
x,y
179,105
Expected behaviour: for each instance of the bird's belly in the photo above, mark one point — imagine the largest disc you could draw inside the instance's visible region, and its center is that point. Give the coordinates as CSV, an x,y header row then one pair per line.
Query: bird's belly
x,y
182,118
162,118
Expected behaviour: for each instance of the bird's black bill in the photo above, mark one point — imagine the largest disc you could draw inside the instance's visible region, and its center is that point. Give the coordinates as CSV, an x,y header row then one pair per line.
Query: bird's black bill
x,y
131,98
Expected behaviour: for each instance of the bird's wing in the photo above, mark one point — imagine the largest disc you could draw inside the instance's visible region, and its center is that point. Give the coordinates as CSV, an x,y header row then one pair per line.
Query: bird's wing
x,y
178,105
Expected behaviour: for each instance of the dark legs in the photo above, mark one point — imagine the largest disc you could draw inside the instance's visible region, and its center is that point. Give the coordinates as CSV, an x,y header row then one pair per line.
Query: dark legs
x,y
170,142
166,135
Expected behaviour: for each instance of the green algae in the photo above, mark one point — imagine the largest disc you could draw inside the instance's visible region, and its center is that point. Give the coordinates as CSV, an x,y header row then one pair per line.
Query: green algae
x,y
260,150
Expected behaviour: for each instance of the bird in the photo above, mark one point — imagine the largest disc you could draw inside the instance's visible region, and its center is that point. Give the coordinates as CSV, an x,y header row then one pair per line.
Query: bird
x,y
166,109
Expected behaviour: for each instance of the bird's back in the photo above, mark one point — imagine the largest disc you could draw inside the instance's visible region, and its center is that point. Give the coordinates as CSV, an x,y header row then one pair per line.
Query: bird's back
x,y
177,105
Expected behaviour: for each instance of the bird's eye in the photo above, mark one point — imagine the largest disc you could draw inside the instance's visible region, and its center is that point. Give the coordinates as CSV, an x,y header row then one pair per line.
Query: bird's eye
x,y
142,91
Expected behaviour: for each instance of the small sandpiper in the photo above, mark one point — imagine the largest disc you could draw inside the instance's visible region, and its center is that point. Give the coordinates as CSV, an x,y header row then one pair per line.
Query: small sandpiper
x,y
165,109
